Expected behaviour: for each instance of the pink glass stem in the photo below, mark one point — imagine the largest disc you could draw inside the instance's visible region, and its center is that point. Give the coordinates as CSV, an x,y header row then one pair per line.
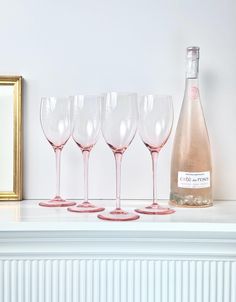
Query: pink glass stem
x,y
86,162
118,158
58,171
154,155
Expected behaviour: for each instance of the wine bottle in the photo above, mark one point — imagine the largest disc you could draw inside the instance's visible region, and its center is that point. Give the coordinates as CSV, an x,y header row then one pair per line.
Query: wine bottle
x,y
191,169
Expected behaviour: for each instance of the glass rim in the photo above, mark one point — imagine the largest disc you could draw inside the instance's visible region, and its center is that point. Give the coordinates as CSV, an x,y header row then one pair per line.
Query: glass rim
x,y
86,95
54,97
157,95
121,93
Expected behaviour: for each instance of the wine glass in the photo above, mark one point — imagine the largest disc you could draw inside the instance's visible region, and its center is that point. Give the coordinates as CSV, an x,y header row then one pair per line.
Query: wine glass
x,y
155,124
86,130
119,124
55,117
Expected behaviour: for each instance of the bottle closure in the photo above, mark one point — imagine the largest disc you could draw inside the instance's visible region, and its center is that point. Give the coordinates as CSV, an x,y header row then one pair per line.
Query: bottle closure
x,y
192,63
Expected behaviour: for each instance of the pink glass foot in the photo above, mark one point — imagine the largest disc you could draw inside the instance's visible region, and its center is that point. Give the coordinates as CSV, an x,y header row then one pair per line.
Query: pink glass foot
x,y
85,207
57,202
118,215
155,209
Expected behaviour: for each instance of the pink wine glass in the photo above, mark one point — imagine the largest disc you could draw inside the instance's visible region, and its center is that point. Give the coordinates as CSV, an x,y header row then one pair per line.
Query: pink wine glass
x,y
119,124
55,116
155,124
86,130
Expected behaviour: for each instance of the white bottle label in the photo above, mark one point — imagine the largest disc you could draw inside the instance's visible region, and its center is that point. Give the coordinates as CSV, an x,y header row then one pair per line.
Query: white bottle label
x,y
194,180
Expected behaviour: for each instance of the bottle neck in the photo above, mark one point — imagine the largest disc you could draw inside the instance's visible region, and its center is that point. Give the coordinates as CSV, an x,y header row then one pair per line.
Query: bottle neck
x,y
191,90
191,84
192,66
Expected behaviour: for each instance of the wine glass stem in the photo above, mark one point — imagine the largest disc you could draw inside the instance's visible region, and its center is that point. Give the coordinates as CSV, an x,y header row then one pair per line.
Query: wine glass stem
x,y
58,170
154,155
118,158
86,162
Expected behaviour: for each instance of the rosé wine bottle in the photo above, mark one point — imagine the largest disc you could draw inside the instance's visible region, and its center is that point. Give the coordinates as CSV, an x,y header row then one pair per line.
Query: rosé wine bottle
x,y
191,169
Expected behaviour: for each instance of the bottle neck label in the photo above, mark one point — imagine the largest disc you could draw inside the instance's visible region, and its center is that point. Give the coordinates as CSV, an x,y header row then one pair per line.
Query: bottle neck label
x,y
192,68
194,93
191,90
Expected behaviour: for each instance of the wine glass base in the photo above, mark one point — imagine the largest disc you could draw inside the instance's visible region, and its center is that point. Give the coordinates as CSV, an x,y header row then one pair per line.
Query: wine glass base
x,y
118,215
85,207
57,202
155,210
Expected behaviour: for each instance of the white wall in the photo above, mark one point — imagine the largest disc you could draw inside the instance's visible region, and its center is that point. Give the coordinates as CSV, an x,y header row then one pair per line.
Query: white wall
x,y
67,47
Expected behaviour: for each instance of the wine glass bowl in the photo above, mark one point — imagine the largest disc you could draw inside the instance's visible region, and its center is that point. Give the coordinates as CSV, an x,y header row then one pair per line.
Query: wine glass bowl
x,y
86,131
155,121
55,117
119,120
87,120
155,125
119,124
55,120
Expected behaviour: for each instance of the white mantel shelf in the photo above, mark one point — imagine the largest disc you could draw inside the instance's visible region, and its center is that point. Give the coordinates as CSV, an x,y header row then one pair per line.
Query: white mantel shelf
x,y
28,216
188,256
26,220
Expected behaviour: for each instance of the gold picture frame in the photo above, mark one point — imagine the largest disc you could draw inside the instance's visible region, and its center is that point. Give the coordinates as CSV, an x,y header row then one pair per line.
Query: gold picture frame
x,y
10,138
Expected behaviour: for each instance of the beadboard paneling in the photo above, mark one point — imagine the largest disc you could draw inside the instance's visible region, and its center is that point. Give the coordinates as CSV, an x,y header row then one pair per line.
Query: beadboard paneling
x,y
117,280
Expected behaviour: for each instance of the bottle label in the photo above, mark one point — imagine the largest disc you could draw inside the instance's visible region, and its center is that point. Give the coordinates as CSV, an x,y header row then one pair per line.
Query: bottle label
x,y
194,180
194,93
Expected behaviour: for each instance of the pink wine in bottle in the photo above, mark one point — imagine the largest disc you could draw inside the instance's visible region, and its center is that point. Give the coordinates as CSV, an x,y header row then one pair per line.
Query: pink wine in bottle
x,y
191,170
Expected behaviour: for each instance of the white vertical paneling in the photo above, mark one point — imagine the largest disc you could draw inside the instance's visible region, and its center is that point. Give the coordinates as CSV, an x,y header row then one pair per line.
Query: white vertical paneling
x,y
233,282
75,280
213,279
48,281
34,281
110,281
172,283
55,281
6,281
226,278
124,283
206,281
117,280
96,281
151,279
13,280
27,280
1,280
116,284
103,280
199,283
20,280
220,281
82,279
164,279
157,280
89,280
62,280
185,281
178,281
138,281
130,281
41,281
68,281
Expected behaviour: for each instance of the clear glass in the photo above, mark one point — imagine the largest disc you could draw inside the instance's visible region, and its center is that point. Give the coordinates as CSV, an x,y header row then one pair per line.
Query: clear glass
x,y
119,124
191,168
155,124
86,130
55,117
191,156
